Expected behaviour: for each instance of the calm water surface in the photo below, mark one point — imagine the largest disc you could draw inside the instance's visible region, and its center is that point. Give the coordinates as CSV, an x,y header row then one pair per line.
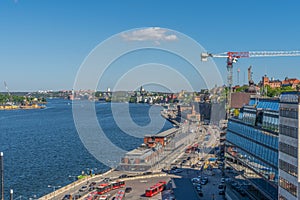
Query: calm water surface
x,y
42,147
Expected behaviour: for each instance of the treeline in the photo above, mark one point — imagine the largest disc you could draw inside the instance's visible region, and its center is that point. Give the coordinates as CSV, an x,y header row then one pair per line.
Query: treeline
x,y
268,91
275,92
5,98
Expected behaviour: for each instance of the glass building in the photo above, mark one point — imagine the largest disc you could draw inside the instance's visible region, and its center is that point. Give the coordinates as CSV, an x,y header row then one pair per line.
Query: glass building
x,y
252,145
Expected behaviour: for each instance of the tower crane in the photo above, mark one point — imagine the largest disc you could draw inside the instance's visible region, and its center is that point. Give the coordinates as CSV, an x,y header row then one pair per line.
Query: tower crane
x,y
9,94
232,57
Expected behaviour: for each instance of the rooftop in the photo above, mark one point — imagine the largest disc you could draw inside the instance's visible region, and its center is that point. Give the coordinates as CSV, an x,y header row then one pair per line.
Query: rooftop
x,y
265,103
138,151
164,133
167,132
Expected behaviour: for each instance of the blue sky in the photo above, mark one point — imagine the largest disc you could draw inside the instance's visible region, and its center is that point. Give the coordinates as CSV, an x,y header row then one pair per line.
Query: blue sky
x,y
43,43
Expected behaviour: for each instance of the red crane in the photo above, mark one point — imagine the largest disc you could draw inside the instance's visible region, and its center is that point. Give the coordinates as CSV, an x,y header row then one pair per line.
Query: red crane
x,y
232,57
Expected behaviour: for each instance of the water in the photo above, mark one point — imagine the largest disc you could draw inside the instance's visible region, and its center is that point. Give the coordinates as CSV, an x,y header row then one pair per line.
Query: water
x,y
42,147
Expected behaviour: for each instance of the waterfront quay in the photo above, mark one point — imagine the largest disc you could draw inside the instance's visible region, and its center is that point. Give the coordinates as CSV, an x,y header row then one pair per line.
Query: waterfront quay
x,y
177,165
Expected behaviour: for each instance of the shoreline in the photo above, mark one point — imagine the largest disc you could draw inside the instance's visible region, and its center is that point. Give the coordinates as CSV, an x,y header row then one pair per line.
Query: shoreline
x,y
15,107
90,178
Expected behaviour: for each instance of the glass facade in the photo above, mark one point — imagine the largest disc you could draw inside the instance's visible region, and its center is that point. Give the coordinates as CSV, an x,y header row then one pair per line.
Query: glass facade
x,y
270,121
257,136
252,143
249,117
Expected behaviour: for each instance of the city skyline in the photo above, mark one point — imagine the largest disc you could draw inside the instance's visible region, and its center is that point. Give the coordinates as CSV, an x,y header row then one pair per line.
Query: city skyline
x,y
44,44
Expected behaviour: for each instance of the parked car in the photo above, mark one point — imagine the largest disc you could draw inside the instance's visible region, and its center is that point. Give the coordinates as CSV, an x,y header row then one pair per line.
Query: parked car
x,y
177,171
67,197
107,179
222,180
92,186
200,193
76,196
83,188
221,191
242,192
196,180
123,176
221,186
205,179
147,173
128,189
227,180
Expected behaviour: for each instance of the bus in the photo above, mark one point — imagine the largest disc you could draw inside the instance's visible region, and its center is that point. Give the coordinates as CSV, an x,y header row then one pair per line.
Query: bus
x,y
103,197
118,184
106,187
188,149
120,195
92,196
155,189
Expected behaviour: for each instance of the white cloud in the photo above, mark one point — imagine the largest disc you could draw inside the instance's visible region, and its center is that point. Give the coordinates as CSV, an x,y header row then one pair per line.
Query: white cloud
x,y
155,34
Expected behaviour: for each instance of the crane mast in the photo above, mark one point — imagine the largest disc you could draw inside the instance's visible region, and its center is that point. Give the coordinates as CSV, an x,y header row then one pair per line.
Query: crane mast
x,y
9,94
232,57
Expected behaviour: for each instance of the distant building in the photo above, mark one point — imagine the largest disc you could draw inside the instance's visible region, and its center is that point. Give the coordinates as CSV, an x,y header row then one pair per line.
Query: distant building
x,y
293,82
194,116
204,109
184,110
272,83
197,98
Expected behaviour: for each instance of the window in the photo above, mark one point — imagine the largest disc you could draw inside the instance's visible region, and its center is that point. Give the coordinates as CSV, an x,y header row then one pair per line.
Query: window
x,y
288,149
288,168
282,197
291,188
289,112
289,131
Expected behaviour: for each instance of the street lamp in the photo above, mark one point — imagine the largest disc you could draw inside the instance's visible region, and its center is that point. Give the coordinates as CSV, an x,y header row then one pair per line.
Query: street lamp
x,y
11,194
2,175
54,188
